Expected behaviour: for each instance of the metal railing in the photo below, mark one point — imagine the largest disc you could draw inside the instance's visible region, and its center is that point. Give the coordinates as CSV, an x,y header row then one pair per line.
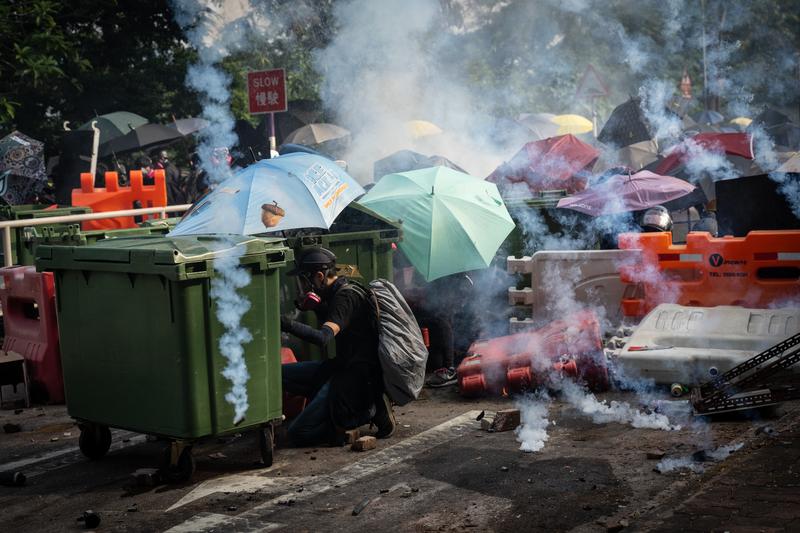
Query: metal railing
x,y
7,225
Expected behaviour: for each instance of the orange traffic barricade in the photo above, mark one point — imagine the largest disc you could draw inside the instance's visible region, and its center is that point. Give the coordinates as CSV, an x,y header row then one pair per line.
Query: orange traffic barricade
x,y
760,270
113,197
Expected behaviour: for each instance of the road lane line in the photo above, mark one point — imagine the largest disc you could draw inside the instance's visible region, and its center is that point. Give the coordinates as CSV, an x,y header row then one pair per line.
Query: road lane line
x,y
257,518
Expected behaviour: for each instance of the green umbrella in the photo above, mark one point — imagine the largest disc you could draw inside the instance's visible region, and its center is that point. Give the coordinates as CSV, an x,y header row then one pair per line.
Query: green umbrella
x,y
116,124
452,222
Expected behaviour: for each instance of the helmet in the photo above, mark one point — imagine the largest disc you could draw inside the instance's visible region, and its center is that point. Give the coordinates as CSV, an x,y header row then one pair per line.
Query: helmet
x,y
657,219
314,260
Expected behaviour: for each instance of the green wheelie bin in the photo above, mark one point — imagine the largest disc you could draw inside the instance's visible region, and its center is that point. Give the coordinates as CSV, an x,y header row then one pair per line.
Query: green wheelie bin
x,y
23,239
140,339
363,242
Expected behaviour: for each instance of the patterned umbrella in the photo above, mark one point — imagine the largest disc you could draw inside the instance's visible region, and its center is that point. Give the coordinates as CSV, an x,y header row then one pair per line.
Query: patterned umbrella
x,y
22,171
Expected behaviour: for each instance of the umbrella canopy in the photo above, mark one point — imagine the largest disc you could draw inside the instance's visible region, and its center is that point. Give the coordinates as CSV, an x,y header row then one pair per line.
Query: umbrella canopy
x,y
779,127
313,134
422,128
541,125
554,163
405,160
146,136
187,126
572,124
293,191
626,125
709,116
735,144
635,156
630,192
452,222
22,171
113,125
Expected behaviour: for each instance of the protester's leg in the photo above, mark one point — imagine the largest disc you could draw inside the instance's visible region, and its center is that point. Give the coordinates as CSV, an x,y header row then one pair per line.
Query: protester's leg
x,y
313,425
302,379
441,334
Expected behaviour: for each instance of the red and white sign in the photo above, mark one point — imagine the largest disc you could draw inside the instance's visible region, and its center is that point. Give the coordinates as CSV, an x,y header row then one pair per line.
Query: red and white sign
x,y
266,91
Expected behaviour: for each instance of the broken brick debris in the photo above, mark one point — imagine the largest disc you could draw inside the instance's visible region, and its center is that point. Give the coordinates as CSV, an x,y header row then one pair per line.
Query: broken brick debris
x,y
363,444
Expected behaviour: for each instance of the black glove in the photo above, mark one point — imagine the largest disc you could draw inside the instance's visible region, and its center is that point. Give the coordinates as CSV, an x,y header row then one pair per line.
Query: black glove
x,y
320,337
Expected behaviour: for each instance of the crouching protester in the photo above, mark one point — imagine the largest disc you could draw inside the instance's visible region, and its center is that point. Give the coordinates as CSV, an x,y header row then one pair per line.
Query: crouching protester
x,y
347,391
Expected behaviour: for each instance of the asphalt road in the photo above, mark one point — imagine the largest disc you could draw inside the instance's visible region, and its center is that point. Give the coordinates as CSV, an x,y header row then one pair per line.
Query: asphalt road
x,y
441,472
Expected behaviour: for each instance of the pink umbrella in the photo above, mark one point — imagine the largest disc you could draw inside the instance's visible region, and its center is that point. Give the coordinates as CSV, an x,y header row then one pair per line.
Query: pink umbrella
x,y
633,192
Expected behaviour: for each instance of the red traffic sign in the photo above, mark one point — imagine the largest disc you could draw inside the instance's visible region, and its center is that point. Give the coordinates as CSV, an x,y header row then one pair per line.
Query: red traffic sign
x,y
266,91
591,84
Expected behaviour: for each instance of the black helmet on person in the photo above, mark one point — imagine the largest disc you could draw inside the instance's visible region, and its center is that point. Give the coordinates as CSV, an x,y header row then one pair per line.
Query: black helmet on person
x,y
313,260
657,219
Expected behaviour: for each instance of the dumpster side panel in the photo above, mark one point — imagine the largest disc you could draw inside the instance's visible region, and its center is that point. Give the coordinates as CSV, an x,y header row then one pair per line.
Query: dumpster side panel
x,y
153,384
262,356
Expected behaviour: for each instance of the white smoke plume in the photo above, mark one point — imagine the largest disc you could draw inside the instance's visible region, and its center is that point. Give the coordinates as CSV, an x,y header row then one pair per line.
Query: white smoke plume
x,y
669,464
532,432
602,412
231,307
216,29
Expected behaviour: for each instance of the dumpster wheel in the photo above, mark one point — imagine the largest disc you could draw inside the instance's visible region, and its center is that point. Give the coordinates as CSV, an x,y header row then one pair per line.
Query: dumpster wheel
x,y
179,462
95,440
266,443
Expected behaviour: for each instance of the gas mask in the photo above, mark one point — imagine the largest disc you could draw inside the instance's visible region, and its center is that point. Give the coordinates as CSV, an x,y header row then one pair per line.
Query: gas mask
x,y
308,299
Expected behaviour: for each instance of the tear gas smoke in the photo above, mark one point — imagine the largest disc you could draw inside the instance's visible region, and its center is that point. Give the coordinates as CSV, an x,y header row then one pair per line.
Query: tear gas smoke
x,y
532,432
669,464
602,412
217,29
231,307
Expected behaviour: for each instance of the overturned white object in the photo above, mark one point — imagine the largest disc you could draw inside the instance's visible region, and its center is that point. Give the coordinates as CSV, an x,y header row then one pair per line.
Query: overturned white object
x,y
690,345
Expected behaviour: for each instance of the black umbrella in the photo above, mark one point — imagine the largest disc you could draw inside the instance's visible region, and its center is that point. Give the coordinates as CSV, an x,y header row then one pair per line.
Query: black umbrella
x,y
116,124
147,136
188,125
779,127
406,160
626,125
22,171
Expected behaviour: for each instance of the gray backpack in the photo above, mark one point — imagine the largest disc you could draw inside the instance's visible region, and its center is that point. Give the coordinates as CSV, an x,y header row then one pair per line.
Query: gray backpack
x,y
401,350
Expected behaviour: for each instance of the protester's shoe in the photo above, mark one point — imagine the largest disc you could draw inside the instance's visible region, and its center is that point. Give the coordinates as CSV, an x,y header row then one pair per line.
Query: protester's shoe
x,y
442,378
384,418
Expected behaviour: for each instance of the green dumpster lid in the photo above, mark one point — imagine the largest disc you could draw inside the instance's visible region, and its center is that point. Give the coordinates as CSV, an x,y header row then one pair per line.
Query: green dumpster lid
x,y
168,256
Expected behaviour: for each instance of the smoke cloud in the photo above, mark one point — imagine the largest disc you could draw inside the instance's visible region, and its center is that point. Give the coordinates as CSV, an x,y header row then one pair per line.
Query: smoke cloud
x,y
532,432
217,29
231,307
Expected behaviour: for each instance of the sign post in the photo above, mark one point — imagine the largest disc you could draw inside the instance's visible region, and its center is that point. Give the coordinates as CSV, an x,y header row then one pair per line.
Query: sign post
x,y
266,93
592,87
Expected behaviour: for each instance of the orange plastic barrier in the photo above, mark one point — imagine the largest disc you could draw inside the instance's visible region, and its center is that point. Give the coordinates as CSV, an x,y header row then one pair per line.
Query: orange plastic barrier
x,y
759,270
112,197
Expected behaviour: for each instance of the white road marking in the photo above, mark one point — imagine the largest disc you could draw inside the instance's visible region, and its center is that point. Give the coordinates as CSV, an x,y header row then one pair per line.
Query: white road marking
x,y
257,518
236,483
203,521
40,464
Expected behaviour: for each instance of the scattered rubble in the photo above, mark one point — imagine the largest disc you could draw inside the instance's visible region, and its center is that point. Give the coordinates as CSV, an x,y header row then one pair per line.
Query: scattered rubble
x,y
90,519
146,477
504,420
361,506
363,444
